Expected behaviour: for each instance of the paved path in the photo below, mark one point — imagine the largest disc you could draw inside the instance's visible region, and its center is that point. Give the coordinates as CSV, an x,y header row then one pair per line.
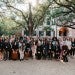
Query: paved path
x,y
37,67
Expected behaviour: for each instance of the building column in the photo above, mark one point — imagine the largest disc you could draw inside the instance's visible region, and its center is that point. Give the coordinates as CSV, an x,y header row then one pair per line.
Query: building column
x,y
23,31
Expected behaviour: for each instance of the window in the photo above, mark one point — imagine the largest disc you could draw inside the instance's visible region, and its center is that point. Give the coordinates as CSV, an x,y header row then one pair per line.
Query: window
x,y
34,33
41,33
48,22
48,33
60,33
26,33
63,31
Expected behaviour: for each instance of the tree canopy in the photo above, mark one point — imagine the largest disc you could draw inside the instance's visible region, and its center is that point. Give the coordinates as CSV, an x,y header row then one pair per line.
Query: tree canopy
x,y
30,19
23,14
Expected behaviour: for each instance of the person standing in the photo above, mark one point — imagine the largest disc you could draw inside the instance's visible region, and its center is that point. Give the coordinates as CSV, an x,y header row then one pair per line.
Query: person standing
x,y
33,48
27,50
55,46
39,51
7,48
45,48
21,52
73,47
50,52
68,42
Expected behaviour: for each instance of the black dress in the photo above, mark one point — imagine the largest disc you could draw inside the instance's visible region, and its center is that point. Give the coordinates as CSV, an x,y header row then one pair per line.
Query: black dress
x,y
38,52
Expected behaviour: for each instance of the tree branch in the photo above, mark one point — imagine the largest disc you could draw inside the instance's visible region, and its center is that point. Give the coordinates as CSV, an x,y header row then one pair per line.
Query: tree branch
x,y
70,7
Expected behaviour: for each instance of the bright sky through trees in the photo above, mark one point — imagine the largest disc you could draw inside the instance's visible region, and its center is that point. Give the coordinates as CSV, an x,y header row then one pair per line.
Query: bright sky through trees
x,y
33,2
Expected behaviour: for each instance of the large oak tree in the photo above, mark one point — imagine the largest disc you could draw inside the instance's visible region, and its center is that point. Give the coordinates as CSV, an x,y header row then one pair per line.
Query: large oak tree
x,y
30,19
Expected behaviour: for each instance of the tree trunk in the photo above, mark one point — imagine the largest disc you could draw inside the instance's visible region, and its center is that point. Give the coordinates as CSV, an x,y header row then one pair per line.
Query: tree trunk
x,y
30,29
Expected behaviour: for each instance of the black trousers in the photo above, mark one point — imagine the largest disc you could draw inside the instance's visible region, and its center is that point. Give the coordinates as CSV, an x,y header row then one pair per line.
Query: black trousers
x,y
72,51
65,59
50,54
6,55
38,56
57,54
44,54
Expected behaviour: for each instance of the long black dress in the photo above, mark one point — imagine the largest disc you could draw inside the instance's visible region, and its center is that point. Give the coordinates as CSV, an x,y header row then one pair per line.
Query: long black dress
x,y
39,52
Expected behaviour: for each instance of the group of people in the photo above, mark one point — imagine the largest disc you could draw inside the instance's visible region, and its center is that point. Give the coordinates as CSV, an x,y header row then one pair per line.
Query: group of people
x,y
21,48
